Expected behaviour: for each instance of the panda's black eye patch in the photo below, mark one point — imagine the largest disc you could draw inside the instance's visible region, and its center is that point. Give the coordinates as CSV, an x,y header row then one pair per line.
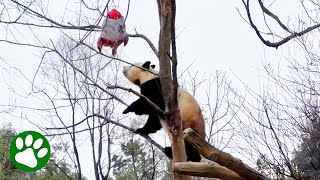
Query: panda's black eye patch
x,y
137,82
146,65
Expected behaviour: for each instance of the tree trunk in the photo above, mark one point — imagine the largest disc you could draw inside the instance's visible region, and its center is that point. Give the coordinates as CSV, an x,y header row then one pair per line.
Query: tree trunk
x,y
169,87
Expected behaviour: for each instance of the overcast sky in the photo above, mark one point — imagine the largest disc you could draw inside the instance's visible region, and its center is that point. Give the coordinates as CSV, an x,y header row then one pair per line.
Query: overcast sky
x,y
211,36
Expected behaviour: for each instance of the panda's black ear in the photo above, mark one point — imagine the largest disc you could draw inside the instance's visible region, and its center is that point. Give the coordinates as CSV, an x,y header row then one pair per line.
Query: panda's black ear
x,y
153,66
146,65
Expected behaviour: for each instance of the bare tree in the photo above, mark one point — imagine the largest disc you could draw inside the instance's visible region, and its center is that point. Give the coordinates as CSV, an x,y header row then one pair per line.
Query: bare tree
x,y
278,114
77,79
215,105
74,72
277,31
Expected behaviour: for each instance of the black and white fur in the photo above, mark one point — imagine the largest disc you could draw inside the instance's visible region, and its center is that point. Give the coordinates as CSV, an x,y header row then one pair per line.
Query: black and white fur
x,y
150,87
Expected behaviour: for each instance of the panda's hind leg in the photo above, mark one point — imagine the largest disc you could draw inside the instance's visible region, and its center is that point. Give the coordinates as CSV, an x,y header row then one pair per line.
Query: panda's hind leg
x,y
168,152
192,154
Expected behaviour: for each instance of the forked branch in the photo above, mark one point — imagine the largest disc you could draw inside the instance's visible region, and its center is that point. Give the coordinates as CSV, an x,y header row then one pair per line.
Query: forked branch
x,y
275,44
220,157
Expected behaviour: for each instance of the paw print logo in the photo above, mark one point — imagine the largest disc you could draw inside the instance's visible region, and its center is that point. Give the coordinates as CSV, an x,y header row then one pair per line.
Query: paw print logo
x,y
30,151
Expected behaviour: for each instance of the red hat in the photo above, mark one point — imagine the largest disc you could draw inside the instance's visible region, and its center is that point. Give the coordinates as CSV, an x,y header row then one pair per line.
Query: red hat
x,y
114,14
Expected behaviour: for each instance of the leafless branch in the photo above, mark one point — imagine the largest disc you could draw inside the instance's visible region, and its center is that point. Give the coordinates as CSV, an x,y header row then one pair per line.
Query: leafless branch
x,y
154,49
107,120
284,40
161,112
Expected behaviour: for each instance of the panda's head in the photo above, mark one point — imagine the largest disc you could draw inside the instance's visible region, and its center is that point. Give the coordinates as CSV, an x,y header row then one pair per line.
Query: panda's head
x,y
139,73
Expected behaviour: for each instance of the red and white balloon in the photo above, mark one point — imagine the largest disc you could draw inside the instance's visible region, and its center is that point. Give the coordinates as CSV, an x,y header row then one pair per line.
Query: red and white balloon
x,y
113,32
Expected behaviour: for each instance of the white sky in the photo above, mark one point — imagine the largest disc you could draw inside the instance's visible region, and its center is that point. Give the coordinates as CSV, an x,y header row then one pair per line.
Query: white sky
x,y
211,34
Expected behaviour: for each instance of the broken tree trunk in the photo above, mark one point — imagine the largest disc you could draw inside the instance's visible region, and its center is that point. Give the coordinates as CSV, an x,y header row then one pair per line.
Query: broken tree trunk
x,y
205,169
220,157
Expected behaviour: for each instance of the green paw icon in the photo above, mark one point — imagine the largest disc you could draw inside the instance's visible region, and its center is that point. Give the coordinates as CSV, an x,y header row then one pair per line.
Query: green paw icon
x,y
30,151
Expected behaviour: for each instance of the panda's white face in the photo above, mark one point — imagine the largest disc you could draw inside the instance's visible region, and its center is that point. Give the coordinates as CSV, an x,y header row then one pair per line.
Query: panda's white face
x,y
138,75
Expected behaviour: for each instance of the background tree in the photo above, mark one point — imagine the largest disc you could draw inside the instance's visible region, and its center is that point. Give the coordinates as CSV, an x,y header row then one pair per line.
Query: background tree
x,y
279,115
276,32
307,157
55,169
139,161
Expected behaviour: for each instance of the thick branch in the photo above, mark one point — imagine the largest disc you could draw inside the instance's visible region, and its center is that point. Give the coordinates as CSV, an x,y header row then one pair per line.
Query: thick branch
x,y
269,13
220,157
205,169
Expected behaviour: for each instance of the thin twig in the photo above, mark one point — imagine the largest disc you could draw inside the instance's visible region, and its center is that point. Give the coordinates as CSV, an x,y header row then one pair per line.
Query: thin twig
x,y
140,95
154,49
107,120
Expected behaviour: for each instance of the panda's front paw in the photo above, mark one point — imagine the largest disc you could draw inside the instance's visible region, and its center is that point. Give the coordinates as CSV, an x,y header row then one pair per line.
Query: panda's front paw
x,y
126,111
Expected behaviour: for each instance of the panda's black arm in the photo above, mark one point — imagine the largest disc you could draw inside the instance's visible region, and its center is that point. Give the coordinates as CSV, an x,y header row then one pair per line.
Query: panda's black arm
x,y
152,125
139,107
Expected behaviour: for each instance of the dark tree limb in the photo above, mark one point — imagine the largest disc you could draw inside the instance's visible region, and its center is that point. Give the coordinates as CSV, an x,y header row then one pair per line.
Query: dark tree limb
x,y
139,95
276,18
275,44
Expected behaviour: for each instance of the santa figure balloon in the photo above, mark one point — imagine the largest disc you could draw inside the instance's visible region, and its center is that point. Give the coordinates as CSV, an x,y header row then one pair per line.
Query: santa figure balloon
x,y
113,32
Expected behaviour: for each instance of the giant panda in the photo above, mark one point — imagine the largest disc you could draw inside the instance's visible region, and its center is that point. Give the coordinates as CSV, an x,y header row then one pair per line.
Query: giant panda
x,y
149,82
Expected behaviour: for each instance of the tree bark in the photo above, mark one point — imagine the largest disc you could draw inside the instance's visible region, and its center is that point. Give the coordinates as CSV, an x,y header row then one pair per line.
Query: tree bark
x,y
220,157
169,87
205,169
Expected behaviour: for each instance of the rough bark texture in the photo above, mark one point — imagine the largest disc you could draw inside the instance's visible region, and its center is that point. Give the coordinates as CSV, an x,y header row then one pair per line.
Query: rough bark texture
x,y
220,157
206,169
167,15
178,147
